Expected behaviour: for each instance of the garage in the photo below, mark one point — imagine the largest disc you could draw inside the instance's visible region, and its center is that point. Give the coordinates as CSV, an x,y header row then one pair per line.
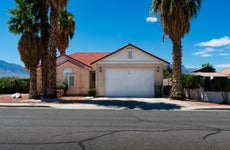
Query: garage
x,y
129,82
129,72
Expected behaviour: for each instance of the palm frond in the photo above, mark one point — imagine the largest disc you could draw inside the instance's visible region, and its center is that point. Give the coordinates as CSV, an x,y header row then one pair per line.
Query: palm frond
x,y
175,15
23,17
66,28
28,50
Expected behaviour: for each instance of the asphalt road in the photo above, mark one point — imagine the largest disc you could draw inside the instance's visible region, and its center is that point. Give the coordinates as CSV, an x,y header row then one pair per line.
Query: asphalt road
x,y
41,129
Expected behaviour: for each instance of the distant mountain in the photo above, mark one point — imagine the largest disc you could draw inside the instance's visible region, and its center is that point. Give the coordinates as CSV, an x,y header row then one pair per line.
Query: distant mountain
x,y
10,69
186,70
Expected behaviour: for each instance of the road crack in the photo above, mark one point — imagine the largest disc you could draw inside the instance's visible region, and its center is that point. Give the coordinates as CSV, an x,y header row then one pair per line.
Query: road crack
x,y
212,134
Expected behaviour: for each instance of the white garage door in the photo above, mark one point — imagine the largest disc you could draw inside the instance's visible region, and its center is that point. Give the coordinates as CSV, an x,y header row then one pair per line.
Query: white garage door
x,y
129,82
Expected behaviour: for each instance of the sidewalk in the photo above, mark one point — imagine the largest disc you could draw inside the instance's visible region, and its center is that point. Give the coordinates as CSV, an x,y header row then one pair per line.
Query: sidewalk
x,y
120,104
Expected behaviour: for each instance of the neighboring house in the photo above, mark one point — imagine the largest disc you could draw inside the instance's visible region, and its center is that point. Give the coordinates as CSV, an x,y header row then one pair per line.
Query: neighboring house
x,y
209,77
210,73
212,90
226,71
127,72
205,69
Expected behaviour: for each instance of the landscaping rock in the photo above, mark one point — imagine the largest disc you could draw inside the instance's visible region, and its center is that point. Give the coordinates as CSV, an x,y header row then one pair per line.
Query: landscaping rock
x,y
16,95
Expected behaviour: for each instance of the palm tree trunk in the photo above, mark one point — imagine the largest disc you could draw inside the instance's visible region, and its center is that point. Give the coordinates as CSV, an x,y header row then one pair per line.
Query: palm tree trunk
x,y
176,90
45,39
44,66
33,94
51,84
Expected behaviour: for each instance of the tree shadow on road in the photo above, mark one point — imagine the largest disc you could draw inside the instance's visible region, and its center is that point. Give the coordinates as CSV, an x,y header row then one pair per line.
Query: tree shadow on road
x,y
132,104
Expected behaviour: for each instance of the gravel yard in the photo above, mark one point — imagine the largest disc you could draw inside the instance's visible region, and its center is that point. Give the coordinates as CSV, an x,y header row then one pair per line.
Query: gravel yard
x,y
5,98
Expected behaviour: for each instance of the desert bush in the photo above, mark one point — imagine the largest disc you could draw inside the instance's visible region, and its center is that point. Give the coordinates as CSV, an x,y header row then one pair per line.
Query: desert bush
x,y
62,85
92,92
9,85
191,81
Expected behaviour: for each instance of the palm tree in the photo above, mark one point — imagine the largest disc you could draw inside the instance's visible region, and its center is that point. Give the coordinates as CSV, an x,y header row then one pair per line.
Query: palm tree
x,y
66,28
24,22
30,55
55,5
175,18
45,38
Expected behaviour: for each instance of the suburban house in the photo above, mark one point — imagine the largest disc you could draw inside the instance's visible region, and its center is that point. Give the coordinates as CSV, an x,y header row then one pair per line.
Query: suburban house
x,y
215,85
127,72
209,73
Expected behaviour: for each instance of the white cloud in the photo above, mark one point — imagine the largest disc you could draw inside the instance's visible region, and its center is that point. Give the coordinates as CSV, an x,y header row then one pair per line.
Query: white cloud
x,y
223,66
224,54
151,19
221,50
205,53
215,42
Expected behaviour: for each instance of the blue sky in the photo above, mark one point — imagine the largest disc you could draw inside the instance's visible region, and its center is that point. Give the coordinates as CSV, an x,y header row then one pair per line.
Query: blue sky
x,y
105,25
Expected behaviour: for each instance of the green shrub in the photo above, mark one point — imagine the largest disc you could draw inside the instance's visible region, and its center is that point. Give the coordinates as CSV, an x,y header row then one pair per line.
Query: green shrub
x,y
191,81
167,73
62,85
24,85
92,92
9,85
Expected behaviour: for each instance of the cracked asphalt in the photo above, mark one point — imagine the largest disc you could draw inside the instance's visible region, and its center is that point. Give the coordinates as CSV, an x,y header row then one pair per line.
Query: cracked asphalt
x,y
26,129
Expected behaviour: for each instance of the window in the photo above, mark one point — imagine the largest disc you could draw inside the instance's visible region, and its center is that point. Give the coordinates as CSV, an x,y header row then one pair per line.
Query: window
x,y
69,77
130,54
92,79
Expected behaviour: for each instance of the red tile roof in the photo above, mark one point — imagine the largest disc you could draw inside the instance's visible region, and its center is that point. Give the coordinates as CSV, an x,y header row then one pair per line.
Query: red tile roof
x,y
226,71
88,57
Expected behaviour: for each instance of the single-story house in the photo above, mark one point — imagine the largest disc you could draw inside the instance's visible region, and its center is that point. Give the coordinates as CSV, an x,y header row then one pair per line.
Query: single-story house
x,y
127,72
214,86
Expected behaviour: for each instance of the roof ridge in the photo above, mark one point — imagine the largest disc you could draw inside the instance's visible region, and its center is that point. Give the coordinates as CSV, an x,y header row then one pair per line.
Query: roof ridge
x,y
138,48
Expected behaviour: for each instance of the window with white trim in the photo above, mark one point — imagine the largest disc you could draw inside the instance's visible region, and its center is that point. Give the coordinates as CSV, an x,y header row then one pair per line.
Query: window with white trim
x,y
69,77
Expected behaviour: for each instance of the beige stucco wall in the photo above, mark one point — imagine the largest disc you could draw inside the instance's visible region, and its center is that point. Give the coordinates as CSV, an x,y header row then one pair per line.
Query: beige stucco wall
x,y
100,73
158,74
82,76
82,83
100,80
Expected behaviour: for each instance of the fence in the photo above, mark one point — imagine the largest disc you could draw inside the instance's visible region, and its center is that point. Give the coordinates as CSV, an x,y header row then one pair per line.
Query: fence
x,y
209,96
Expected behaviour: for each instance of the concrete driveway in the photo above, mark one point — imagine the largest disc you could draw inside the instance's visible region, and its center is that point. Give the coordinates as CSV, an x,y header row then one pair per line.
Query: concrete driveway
x,y
153,104
136,103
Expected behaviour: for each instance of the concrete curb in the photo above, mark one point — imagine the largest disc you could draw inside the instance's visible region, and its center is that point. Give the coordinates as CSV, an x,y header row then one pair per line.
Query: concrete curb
x,y
94,107
138,104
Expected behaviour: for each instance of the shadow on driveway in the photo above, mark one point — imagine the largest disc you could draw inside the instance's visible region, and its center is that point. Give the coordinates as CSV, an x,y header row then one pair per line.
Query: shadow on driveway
x,y
132,104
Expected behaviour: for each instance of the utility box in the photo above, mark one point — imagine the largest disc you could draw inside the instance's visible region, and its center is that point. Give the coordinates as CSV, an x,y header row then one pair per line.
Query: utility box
x,y
158,90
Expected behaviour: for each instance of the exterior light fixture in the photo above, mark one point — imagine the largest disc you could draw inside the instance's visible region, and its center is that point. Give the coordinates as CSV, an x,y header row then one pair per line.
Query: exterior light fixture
x,y
158,68
100,69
